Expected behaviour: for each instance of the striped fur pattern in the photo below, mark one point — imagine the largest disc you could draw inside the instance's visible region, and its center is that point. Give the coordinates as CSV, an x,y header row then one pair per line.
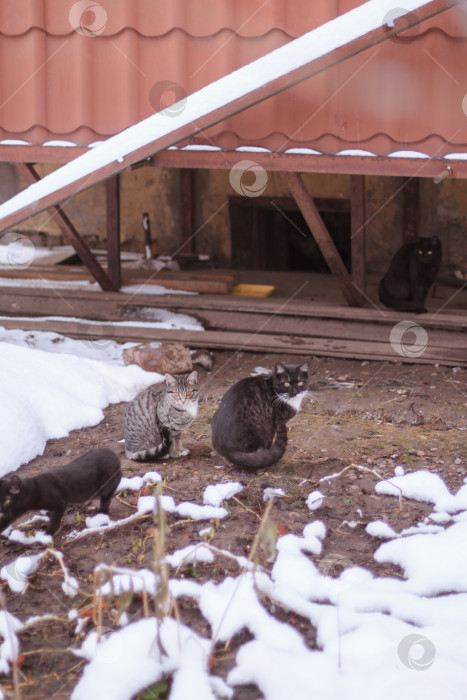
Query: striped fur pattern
x,y
154,421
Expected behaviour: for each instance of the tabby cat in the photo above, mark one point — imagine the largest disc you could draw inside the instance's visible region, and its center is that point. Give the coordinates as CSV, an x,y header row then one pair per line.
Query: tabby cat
x,y
154,421
249,428
94,474
412,272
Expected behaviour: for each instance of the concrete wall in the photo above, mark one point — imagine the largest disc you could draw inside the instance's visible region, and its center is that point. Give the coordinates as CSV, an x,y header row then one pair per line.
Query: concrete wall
x,y
443,210
152,190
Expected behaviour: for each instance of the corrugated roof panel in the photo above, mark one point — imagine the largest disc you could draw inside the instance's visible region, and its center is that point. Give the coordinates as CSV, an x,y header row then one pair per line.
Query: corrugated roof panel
x,y
380,101
64,84
158,17
198,18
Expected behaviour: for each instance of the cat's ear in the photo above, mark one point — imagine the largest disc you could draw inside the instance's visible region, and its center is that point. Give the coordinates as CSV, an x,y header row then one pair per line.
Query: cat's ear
x,y
15,485
170,381
279,368
192,378
304,368
435,240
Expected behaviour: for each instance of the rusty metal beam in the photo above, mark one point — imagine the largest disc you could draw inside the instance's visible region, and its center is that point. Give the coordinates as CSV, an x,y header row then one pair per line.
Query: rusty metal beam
x,y
40,154
186,210
234,105
66,227
302,163
294,162
410,210
357,230
112,202
323,239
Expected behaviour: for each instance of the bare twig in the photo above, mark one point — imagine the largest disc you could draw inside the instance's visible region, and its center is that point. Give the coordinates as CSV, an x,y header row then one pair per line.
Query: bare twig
x,y
252,554
234,498
106,528
361,468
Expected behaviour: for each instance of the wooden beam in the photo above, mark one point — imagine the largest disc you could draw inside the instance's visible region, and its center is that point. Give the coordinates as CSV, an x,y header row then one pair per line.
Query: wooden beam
x,y
323,239
112,198
186,211
440,350
357,230
66,227
199,116
411,210
113,305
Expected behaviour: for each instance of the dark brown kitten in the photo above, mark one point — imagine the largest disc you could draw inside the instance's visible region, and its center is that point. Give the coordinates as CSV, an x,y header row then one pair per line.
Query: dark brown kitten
x,y
94,474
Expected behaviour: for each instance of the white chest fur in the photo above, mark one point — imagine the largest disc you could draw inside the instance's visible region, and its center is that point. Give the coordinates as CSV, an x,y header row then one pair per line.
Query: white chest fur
x,y
296,401
191,407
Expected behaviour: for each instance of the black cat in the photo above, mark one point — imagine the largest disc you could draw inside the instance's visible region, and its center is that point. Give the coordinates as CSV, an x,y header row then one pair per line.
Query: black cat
x,y
249,428
412,272
96,473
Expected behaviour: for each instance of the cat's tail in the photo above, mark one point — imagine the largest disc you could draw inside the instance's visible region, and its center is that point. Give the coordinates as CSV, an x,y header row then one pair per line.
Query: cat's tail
x,y
149,454
265,456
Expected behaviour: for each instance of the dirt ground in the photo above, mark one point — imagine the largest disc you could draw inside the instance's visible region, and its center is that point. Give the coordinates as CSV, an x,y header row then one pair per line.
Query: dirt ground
x,y
362,420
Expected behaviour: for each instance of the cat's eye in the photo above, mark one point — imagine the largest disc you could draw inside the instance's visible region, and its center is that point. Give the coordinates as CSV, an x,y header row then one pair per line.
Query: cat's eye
x,y
430,252
287,384
189,393
7,501
299,383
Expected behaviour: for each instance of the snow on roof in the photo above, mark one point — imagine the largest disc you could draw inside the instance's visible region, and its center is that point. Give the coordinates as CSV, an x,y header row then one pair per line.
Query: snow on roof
x,y
318,43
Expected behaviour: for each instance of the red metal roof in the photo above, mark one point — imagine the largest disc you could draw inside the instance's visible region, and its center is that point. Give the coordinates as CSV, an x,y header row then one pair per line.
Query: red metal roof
x,y
81,75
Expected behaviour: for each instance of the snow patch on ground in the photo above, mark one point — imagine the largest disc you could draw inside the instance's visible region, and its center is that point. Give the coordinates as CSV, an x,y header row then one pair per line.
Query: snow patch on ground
x,y
423,485
45,396
315,500
215,494
129,660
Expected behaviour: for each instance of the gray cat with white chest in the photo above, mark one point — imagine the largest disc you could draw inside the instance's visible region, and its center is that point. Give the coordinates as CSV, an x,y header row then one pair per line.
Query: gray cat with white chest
x,y
154,421
249,429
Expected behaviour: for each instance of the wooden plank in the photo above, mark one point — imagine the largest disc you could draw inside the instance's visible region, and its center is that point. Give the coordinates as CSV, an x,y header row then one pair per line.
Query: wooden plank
x,y
254,342
357,231
191,283
187,285
302,309
99,305
67,228
323,239
112,201
208,276
316,328
275,324
237,101
66,273
79,272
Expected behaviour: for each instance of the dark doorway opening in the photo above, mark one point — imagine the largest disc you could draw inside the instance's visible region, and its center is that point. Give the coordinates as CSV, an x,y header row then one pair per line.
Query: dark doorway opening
x,y
270,233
